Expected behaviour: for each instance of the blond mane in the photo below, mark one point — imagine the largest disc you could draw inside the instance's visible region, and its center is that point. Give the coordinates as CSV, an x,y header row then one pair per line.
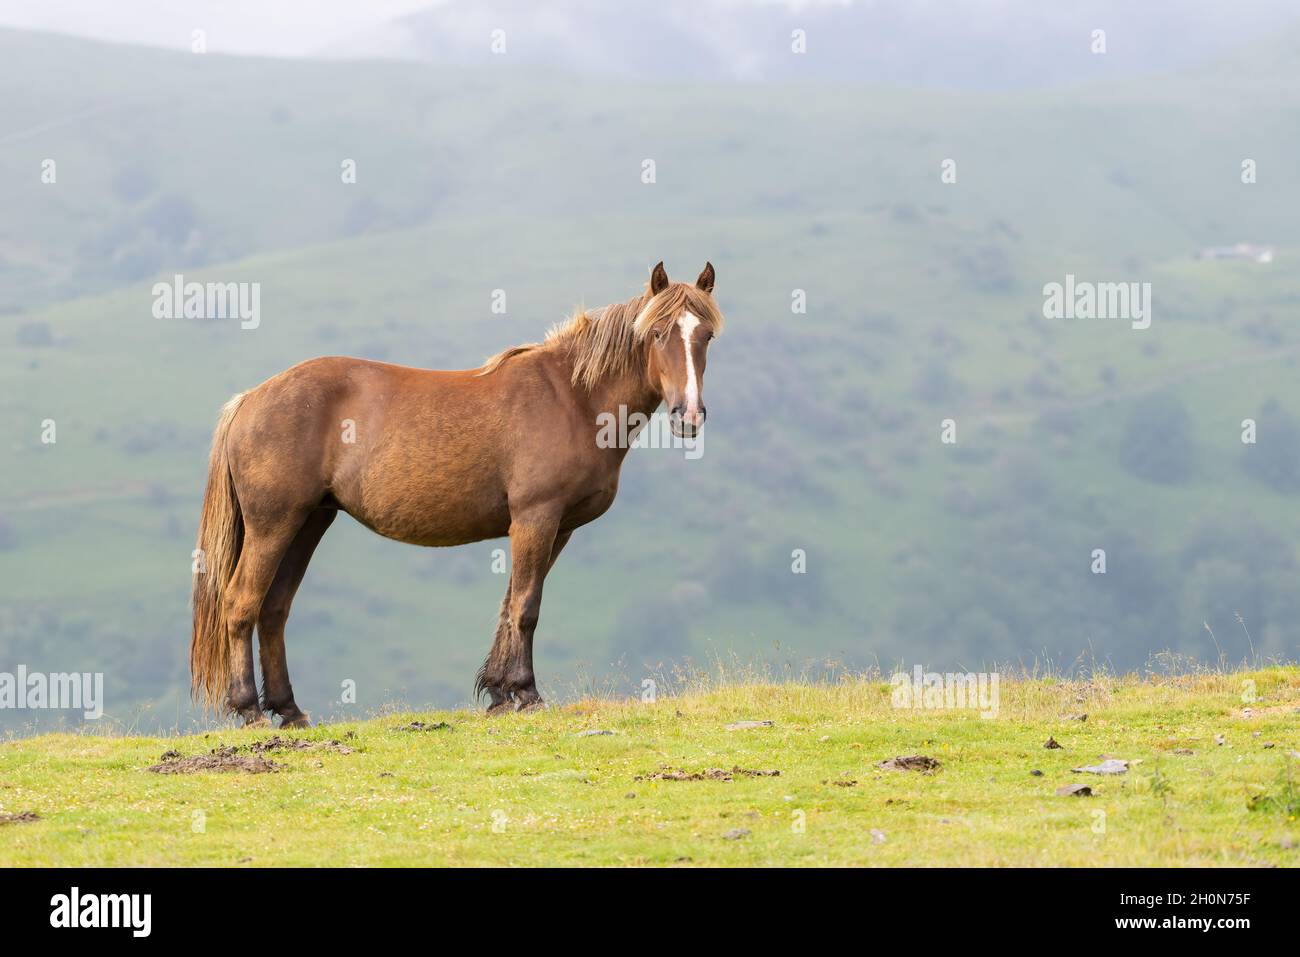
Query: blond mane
x,y
608,341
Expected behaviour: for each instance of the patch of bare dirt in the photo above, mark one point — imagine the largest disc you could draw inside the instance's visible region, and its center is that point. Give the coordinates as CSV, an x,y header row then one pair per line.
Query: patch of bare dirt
x,y
229,758
708,774
1267,711
277,743
22,817
422,726
218,759
910,762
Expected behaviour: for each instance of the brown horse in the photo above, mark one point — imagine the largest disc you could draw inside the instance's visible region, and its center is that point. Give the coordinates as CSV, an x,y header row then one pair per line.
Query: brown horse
x,y
430,458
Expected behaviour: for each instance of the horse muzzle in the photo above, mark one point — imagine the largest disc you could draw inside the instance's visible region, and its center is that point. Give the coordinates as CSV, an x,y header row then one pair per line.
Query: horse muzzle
x,y
687,424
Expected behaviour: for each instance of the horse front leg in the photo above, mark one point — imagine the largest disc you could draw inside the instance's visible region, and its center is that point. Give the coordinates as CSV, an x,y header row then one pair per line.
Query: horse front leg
x,y
526,696
535,543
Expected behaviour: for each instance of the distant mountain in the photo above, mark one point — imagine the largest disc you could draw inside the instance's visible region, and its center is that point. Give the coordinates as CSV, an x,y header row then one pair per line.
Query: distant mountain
x,y
930,43
924,302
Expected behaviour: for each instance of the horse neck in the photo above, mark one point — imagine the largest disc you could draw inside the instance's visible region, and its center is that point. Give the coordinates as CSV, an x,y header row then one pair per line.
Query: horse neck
x,y
632,391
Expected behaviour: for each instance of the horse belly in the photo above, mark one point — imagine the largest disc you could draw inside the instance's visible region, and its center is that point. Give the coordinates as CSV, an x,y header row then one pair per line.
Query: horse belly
x,y
420,520
401,498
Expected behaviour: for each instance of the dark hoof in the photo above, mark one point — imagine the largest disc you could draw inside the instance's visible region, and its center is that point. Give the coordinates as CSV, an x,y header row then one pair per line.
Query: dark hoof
x,y
255,720
299,720
499,701
528,707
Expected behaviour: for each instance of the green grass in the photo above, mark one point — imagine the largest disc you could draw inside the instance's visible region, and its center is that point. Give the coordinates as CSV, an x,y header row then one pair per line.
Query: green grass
x,y
528,790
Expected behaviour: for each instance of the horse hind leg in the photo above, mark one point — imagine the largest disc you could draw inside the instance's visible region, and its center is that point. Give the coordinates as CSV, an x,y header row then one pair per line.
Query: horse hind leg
x,y
277,692
264,545
492,675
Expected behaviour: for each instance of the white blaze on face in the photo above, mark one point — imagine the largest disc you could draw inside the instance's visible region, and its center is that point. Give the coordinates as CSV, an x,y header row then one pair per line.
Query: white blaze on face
x,y
687,324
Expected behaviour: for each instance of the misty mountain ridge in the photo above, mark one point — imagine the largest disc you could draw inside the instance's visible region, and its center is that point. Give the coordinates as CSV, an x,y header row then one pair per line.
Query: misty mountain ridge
x,y
906,43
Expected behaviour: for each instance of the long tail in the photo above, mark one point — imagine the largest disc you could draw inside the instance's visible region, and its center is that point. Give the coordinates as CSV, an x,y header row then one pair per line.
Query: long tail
x,y
221,535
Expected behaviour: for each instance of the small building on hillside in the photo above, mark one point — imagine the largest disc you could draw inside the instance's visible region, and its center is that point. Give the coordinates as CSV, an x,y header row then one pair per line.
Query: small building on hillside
x,y
1248,251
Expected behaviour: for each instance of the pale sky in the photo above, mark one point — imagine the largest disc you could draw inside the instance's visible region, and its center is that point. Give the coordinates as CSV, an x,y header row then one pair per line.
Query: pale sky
x,y
362,28
284,28
287,28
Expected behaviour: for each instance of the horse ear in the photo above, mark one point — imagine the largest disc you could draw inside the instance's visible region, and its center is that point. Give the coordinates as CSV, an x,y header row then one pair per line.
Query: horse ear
x,y
705,281
658,279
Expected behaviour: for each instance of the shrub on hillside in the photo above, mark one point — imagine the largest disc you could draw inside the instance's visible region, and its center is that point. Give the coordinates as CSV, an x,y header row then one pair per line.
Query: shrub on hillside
x,y
1157,445
1274,458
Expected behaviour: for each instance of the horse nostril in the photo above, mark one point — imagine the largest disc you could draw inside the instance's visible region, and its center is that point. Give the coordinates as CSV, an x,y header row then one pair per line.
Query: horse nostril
x,y
677,412
704,413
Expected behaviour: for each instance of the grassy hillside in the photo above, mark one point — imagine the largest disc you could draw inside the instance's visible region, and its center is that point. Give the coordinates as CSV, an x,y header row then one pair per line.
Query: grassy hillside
x,y
924,303
1212,780
168,160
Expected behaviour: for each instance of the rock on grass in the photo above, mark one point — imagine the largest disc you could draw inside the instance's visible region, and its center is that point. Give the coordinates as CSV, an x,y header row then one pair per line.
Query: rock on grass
x,y
1074,790
1109,766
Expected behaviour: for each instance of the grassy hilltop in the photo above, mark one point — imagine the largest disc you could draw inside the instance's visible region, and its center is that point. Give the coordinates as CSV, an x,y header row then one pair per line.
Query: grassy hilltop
x,y
1212,780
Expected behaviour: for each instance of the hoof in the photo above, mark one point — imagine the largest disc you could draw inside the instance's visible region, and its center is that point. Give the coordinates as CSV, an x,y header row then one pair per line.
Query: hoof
x,y
300,720
537,704
504,707
261,721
